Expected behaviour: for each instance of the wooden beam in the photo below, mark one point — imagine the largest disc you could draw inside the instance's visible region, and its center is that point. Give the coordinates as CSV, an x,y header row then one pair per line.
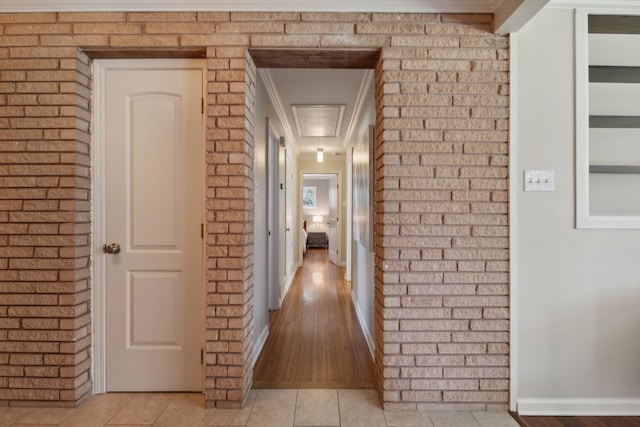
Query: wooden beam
x,y
144,53
315,58
510,16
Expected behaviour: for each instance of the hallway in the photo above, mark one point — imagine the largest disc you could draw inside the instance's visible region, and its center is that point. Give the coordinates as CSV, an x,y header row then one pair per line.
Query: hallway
x,y
315,339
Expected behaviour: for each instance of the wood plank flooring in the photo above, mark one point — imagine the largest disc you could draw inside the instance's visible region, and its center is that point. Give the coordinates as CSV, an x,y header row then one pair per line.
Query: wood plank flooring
x,y
315,339
579,421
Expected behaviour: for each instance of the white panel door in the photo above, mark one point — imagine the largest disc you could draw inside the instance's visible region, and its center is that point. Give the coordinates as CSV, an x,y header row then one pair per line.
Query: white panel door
x,y
273,196
154,187
290,204
333,220
282,221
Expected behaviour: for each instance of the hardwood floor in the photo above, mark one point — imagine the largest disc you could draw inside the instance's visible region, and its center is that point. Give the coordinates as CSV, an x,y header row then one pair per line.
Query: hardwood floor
x,y
579,421
315,339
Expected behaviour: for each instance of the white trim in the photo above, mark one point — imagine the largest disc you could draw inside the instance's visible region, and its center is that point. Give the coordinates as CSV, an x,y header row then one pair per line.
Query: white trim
x,y
259,345
582,119
366,86
274,96
98,234
609,4
98,205
341,232
285,291
363,326
514,191
583,219
575,407
419,6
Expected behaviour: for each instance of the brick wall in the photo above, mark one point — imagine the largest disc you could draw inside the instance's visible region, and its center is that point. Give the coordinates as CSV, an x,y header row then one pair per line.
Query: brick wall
x,y
45,319
441,196
441,217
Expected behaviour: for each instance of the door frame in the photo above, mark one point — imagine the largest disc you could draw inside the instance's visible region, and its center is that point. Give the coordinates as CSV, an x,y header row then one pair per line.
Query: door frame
x,y
98,205
274,142
340,203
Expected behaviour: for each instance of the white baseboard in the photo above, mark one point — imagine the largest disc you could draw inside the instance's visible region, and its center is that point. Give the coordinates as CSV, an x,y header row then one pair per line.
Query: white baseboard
x,y
287,287
257,348
367,333
575,407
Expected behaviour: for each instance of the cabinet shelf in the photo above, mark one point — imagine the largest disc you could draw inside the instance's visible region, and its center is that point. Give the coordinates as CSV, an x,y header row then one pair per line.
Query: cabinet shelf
x,y
615,169
614,24
628,122
613,74
607,120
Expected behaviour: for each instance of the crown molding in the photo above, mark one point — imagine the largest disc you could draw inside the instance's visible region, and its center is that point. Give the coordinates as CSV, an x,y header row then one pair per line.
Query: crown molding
x,y
600,4
366,87
274,96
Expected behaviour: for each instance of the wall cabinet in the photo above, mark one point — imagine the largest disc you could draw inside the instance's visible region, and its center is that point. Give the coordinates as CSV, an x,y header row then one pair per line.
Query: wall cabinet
x,y
608,121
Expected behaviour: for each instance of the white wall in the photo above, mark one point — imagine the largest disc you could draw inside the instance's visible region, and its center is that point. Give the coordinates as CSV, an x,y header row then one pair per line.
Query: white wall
x,y
362,284
577,292
264,109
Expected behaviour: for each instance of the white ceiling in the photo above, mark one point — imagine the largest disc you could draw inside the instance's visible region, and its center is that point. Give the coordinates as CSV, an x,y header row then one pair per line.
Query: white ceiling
x,y
292,86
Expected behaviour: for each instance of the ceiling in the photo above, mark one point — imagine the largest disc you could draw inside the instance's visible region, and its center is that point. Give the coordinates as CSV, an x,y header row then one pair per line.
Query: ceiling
x,y
295,87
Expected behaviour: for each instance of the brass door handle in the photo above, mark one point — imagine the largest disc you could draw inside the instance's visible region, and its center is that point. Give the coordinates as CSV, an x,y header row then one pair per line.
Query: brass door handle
x,y
112,248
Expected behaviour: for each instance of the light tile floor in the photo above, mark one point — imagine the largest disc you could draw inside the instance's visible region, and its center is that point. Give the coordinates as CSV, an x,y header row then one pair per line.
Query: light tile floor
x,y
264,408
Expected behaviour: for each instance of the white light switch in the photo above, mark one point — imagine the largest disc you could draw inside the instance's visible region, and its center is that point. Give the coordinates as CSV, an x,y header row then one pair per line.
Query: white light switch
x,y
539,180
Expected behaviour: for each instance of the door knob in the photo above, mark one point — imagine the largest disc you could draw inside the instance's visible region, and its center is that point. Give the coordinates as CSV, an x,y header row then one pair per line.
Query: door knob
x,y
112,248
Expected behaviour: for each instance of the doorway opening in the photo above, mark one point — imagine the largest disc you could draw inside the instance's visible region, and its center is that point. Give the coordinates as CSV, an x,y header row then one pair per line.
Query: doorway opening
x,y
322,226
314,271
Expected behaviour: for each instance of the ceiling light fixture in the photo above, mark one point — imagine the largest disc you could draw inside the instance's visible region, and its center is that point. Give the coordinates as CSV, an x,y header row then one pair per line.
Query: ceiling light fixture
x,y
320,155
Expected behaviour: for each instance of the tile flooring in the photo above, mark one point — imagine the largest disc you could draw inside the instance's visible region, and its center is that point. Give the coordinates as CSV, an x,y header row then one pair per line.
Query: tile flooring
x,y
265,408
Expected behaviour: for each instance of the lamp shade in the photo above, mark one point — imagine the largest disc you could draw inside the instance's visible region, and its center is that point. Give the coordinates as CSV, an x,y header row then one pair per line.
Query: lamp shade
x,y
316,218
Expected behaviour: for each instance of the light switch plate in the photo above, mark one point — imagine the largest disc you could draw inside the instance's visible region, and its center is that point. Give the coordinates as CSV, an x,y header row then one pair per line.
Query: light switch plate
x,y
538,180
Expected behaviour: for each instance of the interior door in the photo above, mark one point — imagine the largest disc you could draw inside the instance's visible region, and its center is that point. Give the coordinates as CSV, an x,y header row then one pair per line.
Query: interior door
x,y
290,205
154,203
273,194
282,220
333,220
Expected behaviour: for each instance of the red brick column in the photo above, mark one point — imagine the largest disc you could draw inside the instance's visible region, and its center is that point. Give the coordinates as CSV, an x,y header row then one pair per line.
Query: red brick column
x,y
442,217
45,321
230,212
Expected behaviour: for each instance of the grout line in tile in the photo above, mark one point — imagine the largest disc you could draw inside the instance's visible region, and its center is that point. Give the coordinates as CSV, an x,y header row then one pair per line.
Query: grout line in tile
x,y
295,407
175,395
339,411
253,405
